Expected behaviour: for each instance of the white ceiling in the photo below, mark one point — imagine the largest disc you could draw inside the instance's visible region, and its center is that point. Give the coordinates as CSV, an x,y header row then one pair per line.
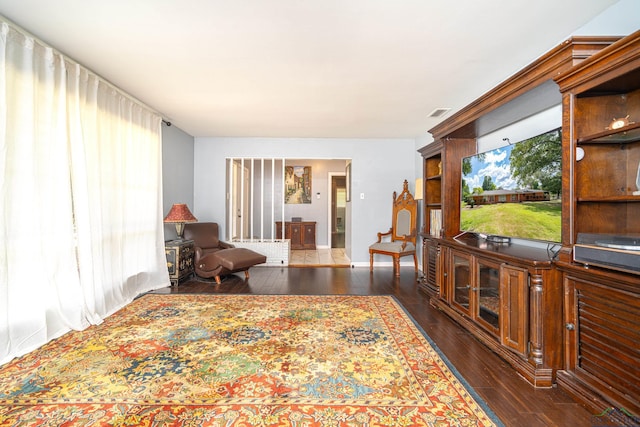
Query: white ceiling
x,y
303,68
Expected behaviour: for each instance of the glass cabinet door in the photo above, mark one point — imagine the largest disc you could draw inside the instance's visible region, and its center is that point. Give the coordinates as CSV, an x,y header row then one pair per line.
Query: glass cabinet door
x,y
488,291
461,281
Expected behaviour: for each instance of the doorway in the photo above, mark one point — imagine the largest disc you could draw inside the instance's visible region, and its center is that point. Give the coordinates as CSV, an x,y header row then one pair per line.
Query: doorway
x,y
338,209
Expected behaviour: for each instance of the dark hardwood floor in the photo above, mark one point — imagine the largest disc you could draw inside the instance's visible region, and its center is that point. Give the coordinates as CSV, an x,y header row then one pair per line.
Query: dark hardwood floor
x,y
514,401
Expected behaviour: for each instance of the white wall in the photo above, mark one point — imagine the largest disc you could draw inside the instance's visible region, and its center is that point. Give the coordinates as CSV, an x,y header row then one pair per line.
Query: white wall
x,y
420,142
379,166
620,19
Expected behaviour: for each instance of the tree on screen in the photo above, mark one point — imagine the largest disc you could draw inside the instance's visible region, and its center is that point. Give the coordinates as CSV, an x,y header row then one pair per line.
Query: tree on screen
x,y
537,162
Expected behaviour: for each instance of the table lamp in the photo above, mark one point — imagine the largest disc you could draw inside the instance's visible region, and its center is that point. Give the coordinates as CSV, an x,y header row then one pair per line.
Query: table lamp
x,y
179,215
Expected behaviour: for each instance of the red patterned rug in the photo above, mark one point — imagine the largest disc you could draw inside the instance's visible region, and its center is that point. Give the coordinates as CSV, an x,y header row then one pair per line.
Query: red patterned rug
x,y
242,360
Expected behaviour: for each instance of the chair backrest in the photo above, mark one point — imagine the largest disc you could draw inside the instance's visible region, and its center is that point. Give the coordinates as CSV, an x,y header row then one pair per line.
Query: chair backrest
x,y
405,212
203,234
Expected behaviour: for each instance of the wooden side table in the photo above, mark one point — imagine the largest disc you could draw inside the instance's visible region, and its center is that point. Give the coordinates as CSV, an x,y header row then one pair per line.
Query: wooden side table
x,y
179,259
301,233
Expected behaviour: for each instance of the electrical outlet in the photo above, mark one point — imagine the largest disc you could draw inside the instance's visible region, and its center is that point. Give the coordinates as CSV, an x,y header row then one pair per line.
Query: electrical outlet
x,y
362,195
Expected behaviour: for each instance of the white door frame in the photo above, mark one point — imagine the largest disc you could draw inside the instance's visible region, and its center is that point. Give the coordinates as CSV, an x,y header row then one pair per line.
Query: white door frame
x,y
329,203
240,208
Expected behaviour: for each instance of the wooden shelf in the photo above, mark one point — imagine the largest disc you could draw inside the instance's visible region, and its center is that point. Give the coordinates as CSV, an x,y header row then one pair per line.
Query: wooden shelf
x,y
610,199
624,135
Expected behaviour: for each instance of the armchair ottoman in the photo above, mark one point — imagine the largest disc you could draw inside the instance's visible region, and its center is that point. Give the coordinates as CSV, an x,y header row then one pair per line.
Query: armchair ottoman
x,y
214,258
227,261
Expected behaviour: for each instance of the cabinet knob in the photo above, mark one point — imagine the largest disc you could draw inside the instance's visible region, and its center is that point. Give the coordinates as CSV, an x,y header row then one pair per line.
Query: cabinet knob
x,y
569,326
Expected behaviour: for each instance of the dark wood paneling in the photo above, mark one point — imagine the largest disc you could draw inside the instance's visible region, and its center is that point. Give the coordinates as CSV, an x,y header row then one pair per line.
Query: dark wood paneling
x,y
455,150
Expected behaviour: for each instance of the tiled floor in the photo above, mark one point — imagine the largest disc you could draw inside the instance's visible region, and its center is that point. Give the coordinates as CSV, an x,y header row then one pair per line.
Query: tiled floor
x,y
333,257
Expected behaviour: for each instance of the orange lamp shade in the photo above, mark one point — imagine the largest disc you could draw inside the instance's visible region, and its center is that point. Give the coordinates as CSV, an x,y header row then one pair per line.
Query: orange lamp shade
x,y
180,214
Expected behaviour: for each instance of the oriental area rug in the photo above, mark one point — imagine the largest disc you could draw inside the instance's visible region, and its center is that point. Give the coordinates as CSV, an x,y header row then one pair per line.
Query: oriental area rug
x,y
242,360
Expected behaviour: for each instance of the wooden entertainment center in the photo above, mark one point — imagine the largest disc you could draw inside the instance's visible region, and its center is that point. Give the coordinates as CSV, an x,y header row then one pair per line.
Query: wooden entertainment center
x,y
557,316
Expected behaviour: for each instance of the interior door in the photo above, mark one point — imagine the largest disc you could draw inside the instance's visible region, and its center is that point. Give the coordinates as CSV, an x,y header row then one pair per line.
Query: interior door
x,y
337,217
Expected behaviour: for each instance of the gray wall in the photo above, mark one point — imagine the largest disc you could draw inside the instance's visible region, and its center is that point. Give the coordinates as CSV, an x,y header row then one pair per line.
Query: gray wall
x,y
379,166
318,209
177,172
420,142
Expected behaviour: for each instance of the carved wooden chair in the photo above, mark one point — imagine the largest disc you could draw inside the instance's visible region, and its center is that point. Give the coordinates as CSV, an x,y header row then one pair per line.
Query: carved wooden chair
x,y
400,240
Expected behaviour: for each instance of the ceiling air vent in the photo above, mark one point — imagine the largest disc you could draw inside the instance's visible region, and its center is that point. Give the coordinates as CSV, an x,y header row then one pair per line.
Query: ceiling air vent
x,y
439,112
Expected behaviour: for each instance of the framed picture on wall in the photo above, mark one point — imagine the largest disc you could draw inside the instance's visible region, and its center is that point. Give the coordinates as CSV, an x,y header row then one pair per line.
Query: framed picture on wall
x,y
297,184
348,173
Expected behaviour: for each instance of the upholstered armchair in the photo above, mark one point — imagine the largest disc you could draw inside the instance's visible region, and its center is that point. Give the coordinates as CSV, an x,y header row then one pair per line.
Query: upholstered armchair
x,y
214,257
400,240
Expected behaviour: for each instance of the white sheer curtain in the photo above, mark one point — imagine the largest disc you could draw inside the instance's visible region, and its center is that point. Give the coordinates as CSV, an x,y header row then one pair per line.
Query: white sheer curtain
x,y
80,196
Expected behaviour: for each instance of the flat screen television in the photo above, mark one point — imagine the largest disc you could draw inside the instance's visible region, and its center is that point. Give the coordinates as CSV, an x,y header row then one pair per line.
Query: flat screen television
x,y
514,191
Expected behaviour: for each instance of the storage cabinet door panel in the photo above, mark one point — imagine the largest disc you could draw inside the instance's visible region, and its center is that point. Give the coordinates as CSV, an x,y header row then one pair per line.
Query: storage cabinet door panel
x,y
296,236
603,339
461,276
487,289
514,308
309,238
